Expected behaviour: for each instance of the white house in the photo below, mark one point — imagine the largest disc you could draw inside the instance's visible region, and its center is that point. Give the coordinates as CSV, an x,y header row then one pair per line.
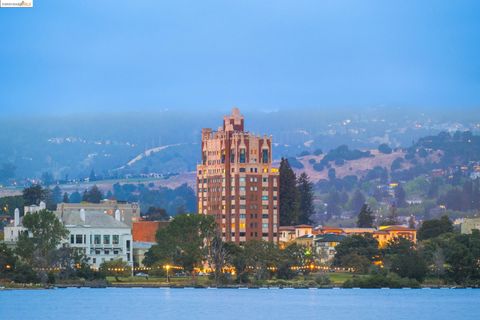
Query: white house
x,y
102,236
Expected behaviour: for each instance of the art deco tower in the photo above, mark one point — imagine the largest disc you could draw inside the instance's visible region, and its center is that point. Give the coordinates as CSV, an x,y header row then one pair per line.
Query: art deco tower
x,y
236,182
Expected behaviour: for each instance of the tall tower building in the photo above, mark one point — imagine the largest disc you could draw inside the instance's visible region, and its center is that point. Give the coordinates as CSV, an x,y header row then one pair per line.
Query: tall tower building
x,y
236,182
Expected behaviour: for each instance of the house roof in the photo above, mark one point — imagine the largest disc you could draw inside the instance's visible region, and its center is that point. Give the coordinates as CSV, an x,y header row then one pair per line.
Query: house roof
x,y
286,228
395,228
330,237
93,219
306,236
303,226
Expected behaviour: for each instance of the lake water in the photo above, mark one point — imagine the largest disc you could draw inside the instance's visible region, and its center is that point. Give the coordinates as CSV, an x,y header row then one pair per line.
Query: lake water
x,y
145,304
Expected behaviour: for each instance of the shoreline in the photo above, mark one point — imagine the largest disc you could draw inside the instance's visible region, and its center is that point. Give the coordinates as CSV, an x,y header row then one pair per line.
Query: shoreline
x,y
154,286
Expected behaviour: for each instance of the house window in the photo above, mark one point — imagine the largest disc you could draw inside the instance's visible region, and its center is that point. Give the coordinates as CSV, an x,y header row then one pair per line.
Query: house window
x,y
97,239
115,251
97,251
106,239
115,239
78,239
72,238
107,251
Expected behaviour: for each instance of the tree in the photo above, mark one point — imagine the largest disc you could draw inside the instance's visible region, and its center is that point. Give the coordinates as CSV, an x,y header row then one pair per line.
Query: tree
x,y
294,256
358,200
57,195
217,256
332,175
435,227
93,195
45,232
92,176
384,148
75,197
236,258
66,198
305,192
34,194
183,242
116,268
288,195
365,217
333,203
392,218
8,261
362,245
260,256
157,214
400,197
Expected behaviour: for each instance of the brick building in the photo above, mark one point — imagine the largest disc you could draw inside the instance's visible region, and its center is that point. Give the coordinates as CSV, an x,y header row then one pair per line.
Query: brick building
x,y
236,182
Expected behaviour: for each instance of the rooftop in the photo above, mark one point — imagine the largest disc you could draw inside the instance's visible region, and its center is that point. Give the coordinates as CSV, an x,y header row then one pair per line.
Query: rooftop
x,y
93,219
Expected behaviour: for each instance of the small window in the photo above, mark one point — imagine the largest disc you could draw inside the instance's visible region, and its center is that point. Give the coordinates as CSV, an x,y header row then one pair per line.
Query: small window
x,y
115,239
106,239
265,155
242,155
97,239
72,238
79,239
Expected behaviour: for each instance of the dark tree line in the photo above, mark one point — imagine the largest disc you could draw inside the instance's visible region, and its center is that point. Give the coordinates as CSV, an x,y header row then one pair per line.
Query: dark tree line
x,y
295,196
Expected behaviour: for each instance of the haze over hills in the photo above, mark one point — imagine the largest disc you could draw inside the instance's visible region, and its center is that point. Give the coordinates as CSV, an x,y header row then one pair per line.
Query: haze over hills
x,y
167,141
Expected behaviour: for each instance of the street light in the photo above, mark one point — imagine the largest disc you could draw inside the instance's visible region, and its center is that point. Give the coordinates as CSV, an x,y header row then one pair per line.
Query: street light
x,y
168,276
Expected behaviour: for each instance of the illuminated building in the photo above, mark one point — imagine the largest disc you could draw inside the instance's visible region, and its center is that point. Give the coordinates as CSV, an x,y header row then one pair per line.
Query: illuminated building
x,y
236,182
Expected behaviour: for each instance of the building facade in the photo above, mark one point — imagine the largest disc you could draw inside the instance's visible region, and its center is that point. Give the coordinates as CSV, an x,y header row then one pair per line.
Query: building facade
x,y
236,182
470,224
100,236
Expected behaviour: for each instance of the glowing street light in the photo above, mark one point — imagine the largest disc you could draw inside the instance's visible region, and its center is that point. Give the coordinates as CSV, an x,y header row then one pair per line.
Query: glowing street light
x,y
167,267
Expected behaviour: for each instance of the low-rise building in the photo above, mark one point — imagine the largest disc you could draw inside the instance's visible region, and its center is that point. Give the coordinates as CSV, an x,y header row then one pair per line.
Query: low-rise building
x,y
470,224
324,245
101,236
144,237
288,234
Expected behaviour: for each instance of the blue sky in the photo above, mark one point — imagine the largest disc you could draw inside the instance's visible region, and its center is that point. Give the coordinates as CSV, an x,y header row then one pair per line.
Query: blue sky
x,y
72,56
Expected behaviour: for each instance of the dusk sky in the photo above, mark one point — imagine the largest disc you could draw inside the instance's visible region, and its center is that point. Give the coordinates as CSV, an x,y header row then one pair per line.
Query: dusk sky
x,y
72,56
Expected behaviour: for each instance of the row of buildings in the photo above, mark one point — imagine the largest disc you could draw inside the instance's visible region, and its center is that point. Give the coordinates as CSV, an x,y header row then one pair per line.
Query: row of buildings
x,y
323,240
105,231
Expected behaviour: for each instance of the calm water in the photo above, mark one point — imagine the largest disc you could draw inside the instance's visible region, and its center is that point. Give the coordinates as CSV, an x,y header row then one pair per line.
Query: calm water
x,y
144,304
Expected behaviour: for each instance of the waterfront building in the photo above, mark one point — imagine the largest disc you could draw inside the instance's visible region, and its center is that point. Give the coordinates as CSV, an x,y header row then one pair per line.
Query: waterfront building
x,y
100,236
324,245
144,237
12,231
236,182
129,212
470,224
288,234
